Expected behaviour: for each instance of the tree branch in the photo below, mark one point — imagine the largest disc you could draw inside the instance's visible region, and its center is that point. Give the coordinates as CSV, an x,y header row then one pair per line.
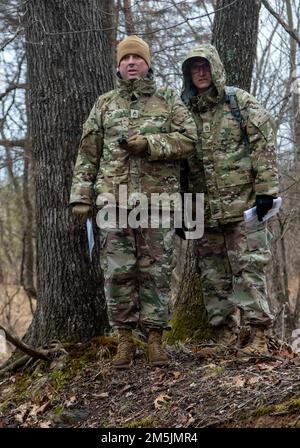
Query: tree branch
x,y
11,88
13,143
10,40
281,21
40,354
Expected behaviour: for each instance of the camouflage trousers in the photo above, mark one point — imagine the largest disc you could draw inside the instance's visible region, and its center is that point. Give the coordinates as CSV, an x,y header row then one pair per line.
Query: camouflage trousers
x,y
137,266
232,262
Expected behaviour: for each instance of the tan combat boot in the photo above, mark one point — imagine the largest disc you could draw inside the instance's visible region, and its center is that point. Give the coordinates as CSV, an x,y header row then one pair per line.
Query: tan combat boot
x,y
227,337
126,350
257,344
156,354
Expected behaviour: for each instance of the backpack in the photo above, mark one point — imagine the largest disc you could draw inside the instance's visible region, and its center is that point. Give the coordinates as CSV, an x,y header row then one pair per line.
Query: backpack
x,y
231,99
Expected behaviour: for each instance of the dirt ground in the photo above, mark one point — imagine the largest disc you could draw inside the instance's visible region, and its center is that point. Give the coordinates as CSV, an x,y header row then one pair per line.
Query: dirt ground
x,y
198,389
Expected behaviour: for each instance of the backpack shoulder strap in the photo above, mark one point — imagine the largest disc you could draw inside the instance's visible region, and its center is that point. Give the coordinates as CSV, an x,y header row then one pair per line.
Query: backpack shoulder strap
x,y
231,99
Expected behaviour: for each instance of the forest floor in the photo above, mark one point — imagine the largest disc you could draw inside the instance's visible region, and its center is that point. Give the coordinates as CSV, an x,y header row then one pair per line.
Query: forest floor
x,y
200,389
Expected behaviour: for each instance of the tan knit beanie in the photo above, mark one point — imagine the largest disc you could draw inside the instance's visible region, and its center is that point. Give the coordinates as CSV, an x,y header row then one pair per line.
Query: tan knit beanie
x,y
133,45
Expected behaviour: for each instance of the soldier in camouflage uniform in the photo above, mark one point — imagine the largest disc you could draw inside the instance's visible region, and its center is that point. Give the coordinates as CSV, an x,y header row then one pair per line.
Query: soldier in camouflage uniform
x,y
235,167
135,135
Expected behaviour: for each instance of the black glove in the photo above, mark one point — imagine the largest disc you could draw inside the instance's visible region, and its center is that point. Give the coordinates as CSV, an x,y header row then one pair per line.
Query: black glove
x,y
263,203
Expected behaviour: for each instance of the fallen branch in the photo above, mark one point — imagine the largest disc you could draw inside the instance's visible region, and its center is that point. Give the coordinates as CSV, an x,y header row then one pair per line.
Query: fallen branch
x,y
34,353
14,365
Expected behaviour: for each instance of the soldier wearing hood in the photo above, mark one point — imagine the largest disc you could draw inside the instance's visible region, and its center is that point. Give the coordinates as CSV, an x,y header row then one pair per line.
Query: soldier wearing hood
x,y
135,136
235,167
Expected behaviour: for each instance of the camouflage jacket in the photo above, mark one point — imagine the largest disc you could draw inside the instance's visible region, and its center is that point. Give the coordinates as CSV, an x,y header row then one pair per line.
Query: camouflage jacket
x,y
134,107
228,171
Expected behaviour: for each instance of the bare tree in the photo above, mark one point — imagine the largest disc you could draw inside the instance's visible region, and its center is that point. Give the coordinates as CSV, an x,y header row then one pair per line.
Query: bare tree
x,y
69,65
235,33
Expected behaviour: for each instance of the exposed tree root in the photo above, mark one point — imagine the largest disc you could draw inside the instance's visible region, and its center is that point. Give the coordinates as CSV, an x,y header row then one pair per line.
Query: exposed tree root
x,y
15,363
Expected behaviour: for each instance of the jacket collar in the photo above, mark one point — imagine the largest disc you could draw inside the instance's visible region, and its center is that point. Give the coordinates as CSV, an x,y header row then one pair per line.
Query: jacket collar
x,y
206,101
145,86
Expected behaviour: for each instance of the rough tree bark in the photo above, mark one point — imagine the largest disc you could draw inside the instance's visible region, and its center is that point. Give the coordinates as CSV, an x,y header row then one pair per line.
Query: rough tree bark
x,y
237,49
69,65
27,265
235,36
295,127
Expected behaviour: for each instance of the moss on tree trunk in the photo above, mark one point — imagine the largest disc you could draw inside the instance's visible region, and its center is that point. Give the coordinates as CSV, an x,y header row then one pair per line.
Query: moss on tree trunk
x,y
189,320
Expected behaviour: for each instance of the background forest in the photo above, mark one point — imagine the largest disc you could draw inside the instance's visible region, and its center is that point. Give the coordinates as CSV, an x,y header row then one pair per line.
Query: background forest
x,y
56,58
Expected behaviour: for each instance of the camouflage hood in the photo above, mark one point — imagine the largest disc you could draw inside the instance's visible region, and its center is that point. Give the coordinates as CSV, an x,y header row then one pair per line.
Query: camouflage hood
x,y
210,53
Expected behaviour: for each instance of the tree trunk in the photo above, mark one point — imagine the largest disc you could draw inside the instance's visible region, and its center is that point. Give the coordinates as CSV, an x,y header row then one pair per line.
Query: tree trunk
x,y
237,50
235,36
189,318
129,23
295,128
69,61
27,266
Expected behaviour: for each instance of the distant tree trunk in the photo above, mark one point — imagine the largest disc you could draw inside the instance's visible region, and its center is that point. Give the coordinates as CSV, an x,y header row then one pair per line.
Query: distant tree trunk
x,y
113,10
235,36
295,128
129,23
189,317
69,65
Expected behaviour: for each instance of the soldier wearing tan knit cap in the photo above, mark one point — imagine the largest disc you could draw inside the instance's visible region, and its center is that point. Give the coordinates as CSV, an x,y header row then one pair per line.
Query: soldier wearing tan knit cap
x,y
136,46
135,137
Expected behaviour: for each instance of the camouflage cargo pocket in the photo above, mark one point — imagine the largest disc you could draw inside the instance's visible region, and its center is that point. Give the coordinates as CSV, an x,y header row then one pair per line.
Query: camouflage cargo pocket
x,y
258,239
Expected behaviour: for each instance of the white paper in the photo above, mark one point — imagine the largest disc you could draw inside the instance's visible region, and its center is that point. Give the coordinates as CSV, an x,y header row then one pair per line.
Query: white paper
x,y
90,235
250,215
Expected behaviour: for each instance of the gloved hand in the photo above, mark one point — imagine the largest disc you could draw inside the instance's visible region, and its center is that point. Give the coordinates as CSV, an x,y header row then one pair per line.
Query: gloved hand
x,y
137,145
82,212
263,204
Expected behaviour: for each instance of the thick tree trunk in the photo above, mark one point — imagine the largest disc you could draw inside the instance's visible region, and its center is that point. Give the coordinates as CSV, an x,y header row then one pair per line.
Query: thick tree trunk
x,y
295,128
27,266
235,36
69,61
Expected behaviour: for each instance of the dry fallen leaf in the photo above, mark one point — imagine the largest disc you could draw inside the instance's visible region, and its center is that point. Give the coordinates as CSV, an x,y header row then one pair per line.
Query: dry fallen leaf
x,y
126,388
72,400
102,395
45,424
191,420
268,365
161,400
253,380
190,406
161,377
238,381
22,412
44,407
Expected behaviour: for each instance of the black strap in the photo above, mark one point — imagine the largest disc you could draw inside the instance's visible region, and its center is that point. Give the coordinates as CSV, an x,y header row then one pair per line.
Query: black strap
x,y
231,98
